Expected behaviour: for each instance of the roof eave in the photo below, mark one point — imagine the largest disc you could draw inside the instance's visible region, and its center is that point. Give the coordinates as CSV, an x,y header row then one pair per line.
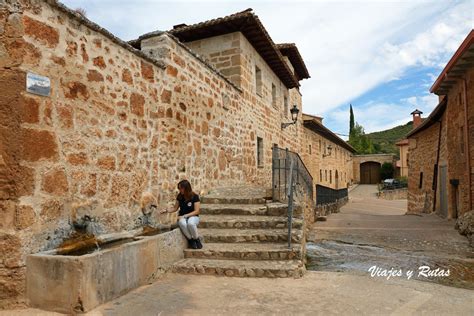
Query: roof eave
x,y
456,66
323,129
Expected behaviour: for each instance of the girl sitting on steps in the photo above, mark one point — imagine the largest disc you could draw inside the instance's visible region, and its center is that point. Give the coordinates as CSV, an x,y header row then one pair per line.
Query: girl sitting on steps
x,y
188,203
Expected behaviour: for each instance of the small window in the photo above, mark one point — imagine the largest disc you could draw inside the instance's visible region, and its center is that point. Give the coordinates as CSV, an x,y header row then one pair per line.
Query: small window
x,y
326,175
258,80
285,106
310,149
461,135
320,175
421,180
330,176
259,152
274,95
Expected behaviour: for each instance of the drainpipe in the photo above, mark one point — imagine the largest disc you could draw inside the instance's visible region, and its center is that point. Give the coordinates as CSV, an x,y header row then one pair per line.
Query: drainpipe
x,y
466,143
435,171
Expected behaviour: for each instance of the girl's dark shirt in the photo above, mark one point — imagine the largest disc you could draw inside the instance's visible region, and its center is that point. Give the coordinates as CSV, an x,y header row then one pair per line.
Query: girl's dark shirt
x,y
186,207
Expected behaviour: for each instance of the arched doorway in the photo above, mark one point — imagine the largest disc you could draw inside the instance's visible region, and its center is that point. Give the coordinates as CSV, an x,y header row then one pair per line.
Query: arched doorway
x,y
369,172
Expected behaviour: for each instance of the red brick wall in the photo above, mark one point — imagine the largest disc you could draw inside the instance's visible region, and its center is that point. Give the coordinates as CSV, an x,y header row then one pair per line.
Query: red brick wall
x,y
470,103
457,153
453,154
422,151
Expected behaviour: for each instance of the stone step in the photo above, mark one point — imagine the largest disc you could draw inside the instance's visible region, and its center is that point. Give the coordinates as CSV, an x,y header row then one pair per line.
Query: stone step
x,y
247,221
246,251
232,200
241,268
214,235
238,194
270,209
236,209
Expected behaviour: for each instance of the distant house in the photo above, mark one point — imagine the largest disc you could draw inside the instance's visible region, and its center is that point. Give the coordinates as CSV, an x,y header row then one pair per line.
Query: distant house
x,y
441,148
402,163
326,155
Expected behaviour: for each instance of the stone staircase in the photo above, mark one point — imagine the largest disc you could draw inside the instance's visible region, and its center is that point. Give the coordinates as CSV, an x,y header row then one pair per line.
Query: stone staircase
x,y
245,235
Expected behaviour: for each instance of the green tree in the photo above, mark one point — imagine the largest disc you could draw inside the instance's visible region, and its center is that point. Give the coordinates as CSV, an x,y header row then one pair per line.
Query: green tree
x,y
386,171
351,122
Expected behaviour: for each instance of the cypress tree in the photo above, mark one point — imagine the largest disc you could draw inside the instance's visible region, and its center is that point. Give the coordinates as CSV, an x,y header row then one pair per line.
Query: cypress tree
x,y
351,123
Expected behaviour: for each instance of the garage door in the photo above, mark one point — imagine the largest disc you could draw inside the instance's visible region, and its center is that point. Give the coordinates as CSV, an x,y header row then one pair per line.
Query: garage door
x,y
370,172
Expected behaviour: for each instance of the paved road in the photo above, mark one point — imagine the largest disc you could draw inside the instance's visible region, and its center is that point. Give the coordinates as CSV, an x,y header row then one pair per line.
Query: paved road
x,y
370,231
317,293
368,228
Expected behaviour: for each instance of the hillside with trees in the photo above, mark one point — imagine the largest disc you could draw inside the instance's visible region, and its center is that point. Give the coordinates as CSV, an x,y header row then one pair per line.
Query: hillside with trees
x,y
382,142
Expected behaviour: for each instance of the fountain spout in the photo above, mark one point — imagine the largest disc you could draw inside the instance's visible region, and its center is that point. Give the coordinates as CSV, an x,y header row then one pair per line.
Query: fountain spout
x,y
82,223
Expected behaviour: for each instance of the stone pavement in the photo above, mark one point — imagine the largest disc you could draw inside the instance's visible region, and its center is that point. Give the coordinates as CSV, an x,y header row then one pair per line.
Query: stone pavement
x,y
316,293
369,228
370,231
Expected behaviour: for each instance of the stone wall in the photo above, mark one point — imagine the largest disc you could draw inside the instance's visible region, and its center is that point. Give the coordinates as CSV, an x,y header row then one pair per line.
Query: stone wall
x,y
397,194
453,157
329,208
423,151
234,56
457,153
118,123
333,171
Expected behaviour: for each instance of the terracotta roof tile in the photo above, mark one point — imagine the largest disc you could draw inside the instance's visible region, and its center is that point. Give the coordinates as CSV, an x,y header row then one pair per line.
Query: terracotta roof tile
x,y
250,26
291,51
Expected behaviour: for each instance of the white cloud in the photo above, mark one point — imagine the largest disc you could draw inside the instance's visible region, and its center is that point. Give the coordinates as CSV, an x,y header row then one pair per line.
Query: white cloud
x,y
349,47
378,116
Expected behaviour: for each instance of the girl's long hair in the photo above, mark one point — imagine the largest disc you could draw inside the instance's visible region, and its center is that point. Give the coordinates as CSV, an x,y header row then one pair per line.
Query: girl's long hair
x,y
188,191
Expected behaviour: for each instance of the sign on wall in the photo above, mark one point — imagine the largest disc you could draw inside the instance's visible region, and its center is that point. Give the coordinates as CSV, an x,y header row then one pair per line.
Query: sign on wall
x,y
37,84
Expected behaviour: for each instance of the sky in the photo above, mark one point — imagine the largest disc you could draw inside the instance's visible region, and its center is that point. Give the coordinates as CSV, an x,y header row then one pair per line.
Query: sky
x,y
380,56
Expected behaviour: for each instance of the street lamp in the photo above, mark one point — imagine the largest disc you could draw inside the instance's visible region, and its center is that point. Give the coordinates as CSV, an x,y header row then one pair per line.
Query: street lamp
x,y
294,116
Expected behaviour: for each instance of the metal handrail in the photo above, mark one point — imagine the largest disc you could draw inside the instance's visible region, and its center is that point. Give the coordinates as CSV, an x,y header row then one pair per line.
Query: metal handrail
x,y
280,162
290,202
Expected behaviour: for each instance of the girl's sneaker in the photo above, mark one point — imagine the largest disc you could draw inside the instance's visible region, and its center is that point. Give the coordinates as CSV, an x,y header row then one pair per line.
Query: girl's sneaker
x,y
192,243
198,243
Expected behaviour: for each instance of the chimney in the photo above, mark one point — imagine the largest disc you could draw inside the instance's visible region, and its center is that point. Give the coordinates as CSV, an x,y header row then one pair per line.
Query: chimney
x,y
416,118
178,26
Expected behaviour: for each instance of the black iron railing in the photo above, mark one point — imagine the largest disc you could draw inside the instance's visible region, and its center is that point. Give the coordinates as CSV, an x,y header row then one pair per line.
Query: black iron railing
x,y
290,176
281,173
325,195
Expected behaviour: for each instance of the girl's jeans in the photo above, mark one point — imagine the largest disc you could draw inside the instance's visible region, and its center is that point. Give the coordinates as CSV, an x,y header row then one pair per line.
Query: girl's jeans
x,y
189,226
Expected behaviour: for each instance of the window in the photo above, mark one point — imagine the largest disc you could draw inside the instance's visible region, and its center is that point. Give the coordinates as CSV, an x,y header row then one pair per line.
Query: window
x,y
259,152
326,175
421,180
274,95
285,106
310,149
330,176
320,175
258,81
461,135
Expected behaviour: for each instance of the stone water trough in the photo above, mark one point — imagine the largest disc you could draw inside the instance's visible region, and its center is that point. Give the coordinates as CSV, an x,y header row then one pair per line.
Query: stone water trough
x,y
76,281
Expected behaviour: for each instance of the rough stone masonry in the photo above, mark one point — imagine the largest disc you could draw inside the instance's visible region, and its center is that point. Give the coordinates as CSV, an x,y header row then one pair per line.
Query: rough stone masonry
x,y
118,122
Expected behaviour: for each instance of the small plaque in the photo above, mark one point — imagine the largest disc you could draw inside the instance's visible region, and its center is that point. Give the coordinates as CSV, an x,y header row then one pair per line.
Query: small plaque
x,y
37,84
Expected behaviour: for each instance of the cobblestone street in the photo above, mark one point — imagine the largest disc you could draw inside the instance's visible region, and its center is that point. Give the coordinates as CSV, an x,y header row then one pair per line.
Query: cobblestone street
x,y
366,232
370,231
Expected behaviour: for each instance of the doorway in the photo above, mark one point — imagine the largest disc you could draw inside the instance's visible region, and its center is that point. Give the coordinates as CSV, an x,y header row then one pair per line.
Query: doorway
x,y
369,172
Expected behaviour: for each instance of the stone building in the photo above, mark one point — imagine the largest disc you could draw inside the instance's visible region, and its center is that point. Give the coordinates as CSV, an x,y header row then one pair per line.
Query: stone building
x,y
328,157
402,163
104,121
367,167
441,150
